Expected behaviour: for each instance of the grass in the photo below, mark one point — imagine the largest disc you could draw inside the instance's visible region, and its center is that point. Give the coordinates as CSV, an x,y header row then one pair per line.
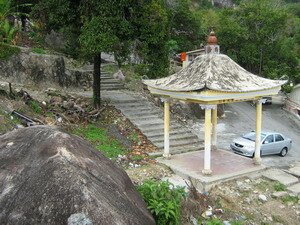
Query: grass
x,y
35,107
101,140
264,185
6,51
279,187
137,157
277,219
110,68
134,137
39,50
7,123
289,198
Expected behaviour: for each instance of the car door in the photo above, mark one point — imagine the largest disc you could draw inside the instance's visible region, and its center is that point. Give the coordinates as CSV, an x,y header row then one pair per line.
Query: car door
x,y
267,146
279,143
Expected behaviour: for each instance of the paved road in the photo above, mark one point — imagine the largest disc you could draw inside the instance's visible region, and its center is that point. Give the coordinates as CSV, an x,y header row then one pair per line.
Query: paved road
x,y
240,119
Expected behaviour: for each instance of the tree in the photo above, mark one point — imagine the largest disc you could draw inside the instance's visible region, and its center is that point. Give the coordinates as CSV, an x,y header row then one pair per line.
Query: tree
x,y
184,28
105,26
62,16
150,29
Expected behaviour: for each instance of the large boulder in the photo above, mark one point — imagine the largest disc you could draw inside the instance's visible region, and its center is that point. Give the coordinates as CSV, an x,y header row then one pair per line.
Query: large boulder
x,y
43,70
50,177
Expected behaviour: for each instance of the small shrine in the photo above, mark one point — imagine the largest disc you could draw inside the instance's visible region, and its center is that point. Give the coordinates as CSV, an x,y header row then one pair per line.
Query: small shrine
x,y
209,80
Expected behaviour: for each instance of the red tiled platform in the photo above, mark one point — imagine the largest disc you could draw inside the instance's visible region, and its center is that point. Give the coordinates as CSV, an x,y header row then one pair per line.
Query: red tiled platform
x,y
225,165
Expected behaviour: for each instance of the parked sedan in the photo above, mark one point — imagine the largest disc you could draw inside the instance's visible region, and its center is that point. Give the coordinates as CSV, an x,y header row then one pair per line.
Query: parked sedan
x,y
271,143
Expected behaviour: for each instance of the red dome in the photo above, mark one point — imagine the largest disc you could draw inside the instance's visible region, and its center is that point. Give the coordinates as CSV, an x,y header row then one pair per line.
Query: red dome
x,y
212,39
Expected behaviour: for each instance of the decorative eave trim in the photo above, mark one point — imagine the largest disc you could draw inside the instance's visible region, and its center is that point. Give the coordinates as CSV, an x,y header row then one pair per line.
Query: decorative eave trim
x,y
212,96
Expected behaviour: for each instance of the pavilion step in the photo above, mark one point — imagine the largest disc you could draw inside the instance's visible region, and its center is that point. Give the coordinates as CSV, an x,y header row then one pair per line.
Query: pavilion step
x,y
145,117
111,86
117,103
110,81
177,143
156,127
133,111
160,133
133,104
135,114
180,136
153,122
178,150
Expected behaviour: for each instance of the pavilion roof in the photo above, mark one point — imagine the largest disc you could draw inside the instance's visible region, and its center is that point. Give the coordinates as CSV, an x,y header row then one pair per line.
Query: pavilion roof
x,y
214,72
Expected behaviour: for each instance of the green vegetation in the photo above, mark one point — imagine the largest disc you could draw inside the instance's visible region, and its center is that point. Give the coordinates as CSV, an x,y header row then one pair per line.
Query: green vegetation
x,y
39,50
277,219
101,140
214,221
6,51
134,137
137,157
7,122
163,200
264,185
279,187
289,198
35,106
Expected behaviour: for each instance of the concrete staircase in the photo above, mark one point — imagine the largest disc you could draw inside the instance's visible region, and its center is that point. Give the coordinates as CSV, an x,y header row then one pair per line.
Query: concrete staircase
x,y
149,119
109,83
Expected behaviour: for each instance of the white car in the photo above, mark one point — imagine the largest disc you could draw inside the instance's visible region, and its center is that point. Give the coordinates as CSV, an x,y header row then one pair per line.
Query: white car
x,y
271,143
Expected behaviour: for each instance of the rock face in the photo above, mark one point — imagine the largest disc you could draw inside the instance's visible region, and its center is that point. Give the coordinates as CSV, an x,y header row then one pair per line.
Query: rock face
x,y
50,177
41,69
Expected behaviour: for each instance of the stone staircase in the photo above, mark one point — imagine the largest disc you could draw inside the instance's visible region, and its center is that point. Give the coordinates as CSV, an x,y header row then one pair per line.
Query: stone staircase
x,y
149,119
109,83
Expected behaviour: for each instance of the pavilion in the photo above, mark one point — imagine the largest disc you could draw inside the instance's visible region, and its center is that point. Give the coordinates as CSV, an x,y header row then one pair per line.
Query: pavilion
x,y
213,79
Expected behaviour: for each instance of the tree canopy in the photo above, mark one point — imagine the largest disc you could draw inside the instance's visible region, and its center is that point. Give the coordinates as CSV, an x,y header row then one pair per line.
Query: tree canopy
x,y
262,36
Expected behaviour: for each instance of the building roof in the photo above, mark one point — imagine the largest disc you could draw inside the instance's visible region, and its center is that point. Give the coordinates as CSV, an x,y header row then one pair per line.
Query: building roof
x,y
214,72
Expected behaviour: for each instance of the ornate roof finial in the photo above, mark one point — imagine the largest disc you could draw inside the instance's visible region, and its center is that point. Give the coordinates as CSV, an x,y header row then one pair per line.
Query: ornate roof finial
x,y
212,39
212,44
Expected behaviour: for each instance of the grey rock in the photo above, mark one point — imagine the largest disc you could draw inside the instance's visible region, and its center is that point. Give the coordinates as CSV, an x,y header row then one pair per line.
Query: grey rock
x,y
119,75
79,219
47,175
247,200
46,71
262,198
55,40
279,194
68,104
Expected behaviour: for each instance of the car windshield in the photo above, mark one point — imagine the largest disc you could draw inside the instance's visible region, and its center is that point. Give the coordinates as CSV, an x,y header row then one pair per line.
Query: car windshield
x,y
251,136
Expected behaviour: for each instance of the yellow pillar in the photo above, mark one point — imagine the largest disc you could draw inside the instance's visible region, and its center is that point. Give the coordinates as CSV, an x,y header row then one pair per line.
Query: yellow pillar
x,y
214,128
207,140
257,158
166,129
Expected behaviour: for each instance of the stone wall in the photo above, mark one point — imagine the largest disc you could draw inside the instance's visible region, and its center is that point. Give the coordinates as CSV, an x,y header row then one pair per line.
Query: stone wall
x,y
43,70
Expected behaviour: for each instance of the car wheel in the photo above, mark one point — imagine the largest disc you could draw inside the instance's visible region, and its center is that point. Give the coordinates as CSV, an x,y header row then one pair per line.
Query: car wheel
x,y
283,152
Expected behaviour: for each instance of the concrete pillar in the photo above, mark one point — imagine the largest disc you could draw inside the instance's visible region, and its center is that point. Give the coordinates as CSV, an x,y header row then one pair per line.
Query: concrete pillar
x,y
166,153
257,158
214,128
207,139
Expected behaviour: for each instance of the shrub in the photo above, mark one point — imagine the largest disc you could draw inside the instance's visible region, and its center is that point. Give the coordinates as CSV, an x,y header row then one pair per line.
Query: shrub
x,y
163,200
6,51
